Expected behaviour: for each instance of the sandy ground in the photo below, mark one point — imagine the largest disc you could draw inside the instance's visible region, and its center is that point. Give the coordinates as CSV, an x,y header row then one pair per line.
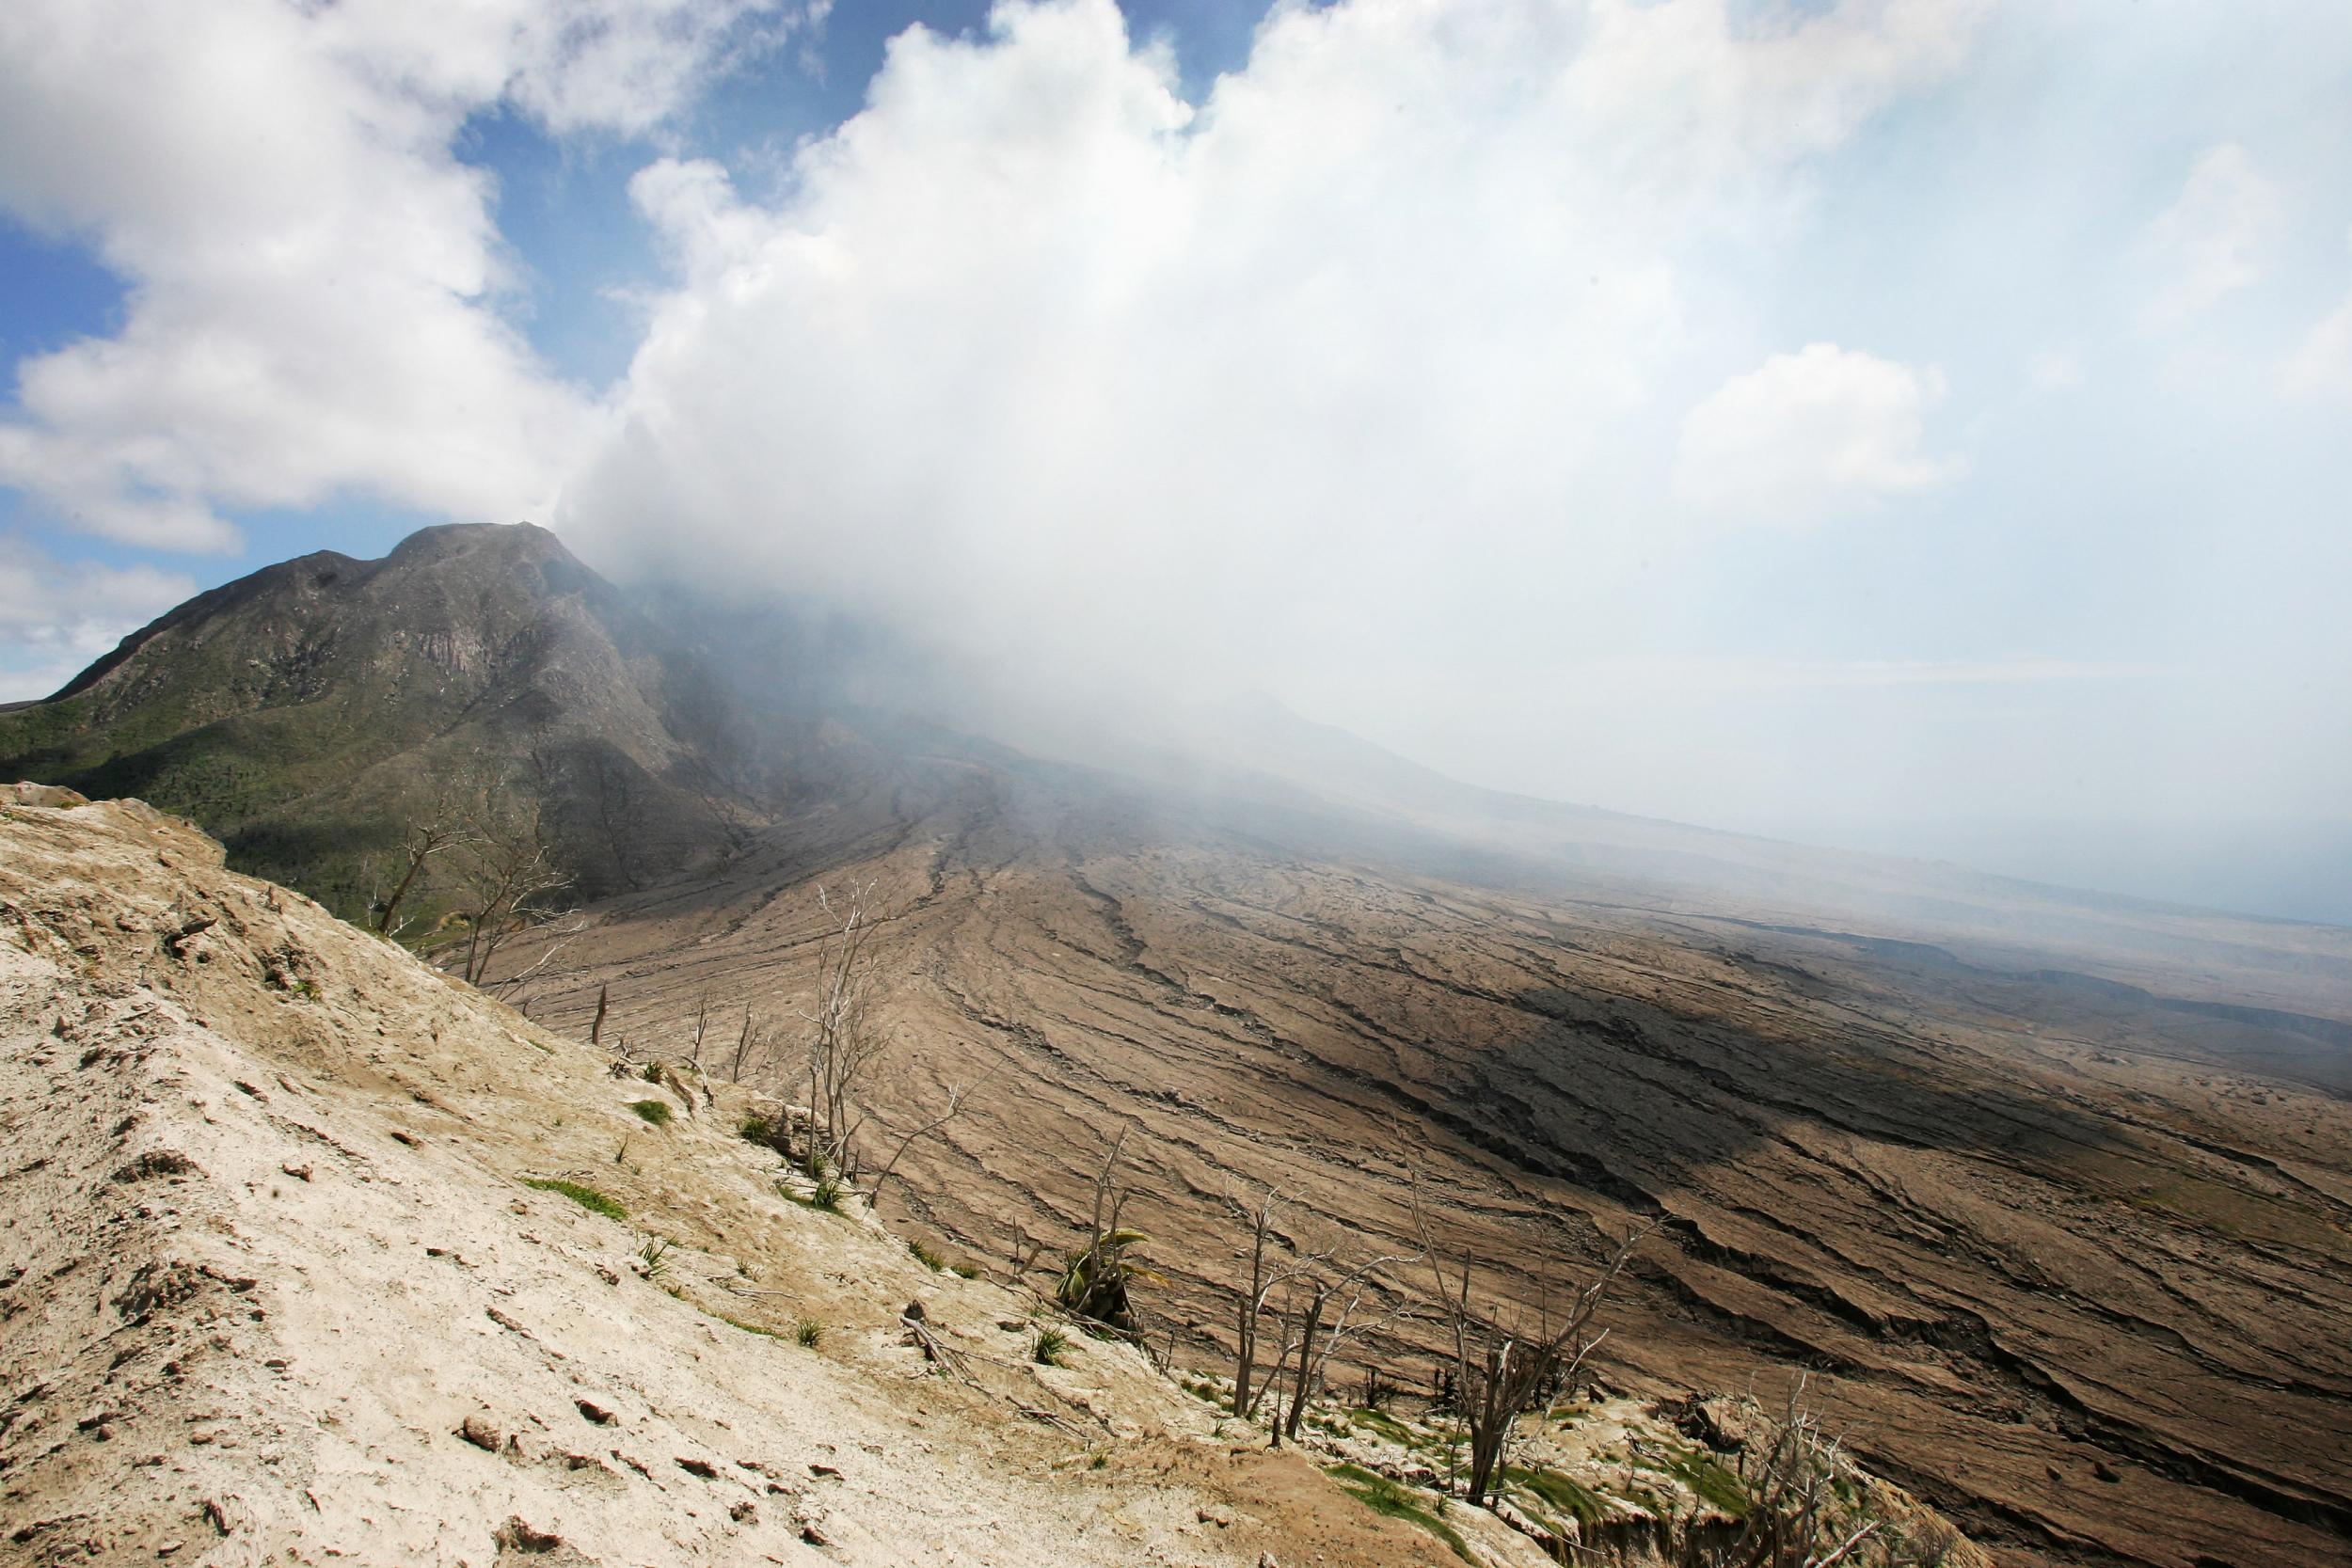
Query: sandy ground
x,y
272,1289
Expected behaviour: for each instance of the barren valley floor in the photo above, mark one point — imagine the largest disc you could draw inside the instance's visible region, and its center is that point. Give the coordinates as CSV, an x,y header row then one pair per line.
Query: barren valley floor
x,y
2065,1255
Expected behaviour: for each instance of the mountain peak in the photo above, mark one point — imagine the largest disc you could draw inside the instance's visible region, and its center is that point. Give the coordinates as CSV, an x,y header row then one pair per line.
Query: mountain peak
x,y
501,541
328,689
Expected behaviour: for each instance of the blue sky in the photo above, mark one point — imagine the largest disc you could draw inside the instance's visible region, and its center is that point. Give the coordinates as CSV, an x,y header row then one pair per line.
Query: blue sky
x,y
1911,422
563,212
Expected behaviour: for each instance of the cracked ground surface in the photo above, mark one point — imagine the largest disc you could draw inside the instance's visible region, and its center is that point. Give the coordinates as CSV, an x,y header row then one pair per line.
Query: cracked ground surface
x,y
2055,1218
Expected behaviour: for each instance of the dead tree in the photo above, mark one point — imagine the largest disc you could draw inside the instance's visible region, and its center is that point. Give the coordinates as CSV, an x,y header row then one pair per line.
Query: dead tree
x,y
957,1098
1804,1510
1021,1250
702,1027
1504,1362
441,825
751,1044
1336,1315
1321,1298
1266,1276
509,875
844,1042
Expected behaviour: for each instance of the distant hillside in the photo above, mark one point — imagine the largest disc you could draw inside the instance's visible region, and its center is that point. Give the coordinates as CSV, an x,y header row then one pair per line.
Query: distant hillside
x,y
307,714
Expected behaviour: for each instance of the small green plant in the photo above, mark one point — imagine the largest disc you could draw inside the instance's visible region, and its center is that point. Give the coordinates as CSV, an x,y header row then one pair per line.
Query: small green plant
x,y
1201,1388
964,1271
808,1332
1385,1497
655,1256
827,1193
587,1198
651,1072
1716,1486
621,1154
925,1256
1383,1424
1052,1345
1094,1281
757,1128
1098,1462
1560,1495
653,1113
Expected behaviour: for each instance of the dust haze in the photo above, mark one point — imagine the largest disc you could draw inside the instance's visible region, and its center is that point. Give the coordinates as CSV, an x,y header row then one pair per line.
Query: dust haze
x,y
1696,411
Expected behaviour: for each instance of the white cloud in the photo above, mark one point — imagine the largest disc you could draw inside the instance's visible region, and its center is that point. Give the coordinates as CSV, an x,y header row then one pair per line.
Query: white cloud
x,y
1033,351
314,278
1810,436
56,618
2055,370
2322,362
1641,677
2216,238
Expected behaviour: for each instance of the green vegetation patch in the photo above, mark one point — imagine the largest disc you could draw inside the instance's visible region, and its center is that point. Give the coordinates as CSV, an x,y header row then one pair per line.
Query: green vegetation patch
x,y
656,1111
587,1198
1201,1388
1563,1495
1388,1426
1385,1497
747,1328
1714,1484
767,1134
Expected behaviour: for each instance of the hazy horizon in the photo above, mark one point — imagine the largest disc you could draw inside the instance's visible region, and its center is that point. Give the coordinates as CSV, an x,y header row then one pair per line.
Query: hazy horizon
x,y
1909,425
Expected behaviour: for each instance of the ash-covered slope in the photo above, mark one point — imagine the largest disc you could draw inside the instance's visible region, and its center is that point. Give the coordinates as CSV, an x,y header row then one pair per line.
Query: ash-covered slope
x,y
2072,1259
276,1287
305,713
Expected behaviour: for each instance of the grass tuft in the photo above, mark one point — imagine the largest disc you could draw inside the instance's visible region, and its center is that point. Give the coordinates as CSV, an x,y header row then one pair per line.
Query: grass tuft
x,y
827,1195
1385,1497
587,1198
1711,1481
1562,1494
747,1328
655,1112
1052,1345
767,1134
808,1332
925,1256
